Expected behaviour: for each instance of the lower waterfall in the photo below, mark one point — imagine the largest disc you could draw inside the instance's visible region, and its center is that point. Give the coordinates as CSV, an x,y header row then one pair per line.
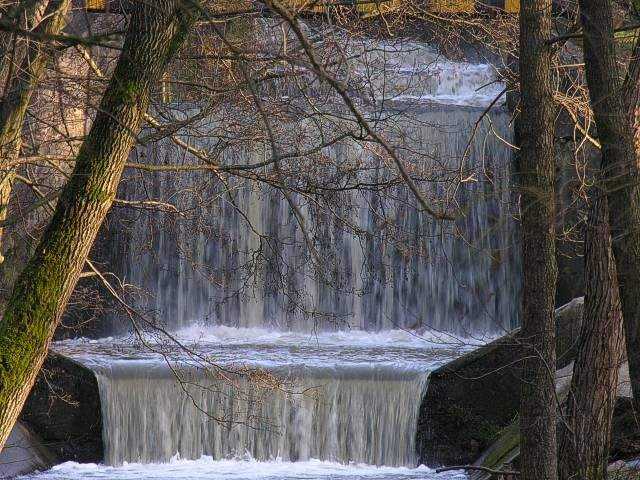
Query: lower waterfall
x,y
345,415
331,398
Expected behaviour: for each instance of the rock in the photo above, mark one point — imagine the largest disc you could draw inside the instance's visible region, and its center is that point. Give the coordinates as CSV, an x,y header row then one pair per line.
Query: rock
x,y
616,466
625,436
470,400
504,452
63,409
24,453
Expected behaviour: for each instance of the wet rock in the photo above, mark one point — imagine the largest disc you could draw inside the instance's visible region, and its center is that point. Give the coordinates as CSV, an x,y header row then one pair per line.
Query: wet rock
x,y
470,400
63,410
24,453
625,436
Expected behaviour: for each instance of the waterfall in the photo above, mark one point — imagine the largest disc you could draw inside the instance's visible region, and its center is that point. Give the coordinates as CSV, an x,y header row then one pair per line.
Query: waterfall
x,y
262,395
214,266
283,272
360,415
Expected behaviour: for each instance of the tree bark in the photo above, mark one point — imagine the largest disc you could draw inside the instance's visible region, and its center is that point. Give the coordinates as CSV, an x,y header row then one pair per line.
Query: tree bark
x,y
585,433
537,180
16,99
39,297
619,166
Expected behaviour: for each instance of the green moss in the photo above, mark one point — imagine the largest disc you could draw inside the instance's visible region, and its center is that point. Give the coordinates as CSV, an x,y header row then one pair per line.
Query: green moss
x,y
502,451
99,194
127,92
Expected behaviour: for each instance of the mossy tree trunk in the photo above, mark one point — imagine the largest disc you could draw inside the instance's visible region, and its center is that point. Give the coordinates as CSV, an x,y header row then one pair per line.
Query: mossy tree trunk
x,y
21,84
535,134
585,433
156,30
609,101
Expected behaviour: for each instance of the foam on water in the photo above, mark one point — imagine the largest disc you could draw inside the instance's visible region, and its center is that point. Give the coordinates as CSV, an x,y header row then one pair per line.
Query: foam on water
x,y
413,73
208,469
258,347
352,337
455,83
202,333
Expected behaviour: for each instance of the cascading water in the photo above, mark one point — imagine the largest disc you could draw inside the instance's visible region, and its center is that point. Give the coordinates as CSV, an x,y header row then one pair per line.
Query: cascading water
x,y
339,397
362,417
215,267
235,277
347,414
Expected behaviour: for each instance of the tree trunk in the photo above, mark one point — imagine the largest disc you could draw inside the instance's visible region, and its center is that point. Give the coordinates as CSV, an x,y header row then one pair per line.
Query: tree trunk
x,y
16,99
586,432
5,195
537,180
39,297
619,166
586,435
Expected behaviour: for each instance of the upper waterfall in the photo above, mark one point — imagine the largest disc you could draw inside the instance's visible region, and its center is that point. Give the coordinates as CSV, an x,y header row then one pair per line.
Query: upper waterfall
x,y
215,268
242,253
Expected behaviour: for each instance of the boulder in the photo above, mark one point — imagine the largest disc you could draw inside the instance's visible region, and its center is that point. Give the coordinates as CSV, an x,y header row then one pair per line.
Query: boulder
x,y
470,400
625,435
24,453
63,410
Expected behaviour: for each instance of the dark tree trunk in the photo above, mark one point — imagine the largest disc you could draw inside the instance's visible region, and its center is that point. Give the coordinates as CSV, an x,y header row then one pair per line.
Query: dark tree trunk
x,y
619,167
585,433
39,297
537,179
21,84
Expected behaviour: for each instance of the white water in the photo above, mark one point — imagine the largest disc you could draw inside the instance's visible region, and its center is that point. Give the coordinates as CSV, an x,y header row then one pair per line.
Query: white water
x,y
208,469
383,265
242,259
217,339
413,74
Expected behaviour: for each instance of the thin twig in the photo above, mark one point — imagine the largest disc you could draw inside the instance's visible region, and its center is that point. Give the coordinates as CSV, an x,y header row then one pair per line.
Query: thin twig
x,y
477,468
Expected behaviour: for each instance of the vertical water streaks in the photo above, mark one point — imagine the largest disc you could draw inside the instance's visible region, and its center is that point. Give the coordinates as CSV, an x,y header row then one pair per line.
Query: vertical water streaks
x,y
359,414
389,266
